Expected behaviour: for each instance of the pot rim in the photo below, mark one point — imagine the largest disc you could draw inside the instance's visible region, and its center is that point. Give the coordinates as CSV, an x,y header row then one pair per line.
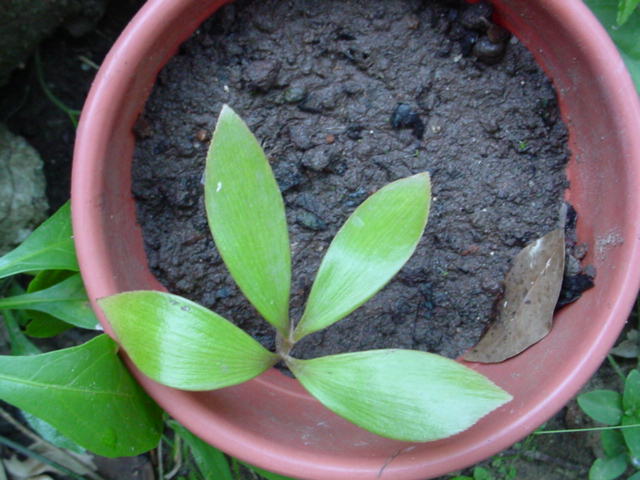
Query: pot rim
x,y
100,114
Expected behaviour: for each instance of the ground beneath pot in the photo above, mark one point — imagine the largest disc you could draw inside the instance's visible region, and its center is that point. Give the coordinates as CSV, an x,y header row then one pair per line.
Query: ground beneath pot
x,y
322,85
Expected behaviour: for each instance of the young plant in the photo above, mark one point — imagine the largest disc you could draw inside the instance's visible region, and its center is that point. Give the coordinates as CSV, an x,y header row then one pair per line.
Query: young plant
x,y
621,443
402,394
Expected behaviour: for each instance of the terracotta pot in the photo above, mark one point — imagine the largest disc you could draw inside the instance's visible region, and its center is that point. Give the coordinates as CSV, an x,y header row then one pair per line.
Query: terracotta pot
x,y
270,421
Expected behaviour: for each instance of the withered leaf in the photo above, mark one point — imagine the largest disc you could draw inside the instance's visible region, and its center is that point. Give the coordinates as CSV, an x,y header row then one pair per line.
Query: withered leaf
x,y
525,313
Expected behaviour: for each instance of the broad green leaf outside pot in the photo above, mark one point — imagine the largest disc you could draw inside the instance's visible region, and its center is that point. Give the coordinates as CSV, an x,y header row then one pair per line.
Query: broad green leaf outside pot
x,y
246,216
87,394
632,435
631,395
604,406
608,468
49,247
181,344
67,301
373,244
625,9
400,394
43,325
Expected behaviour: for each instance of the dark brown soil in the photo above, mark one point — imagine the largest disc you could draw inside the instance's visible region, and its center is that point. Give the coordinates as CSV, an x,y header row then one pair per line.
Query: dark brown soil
x,y
322,85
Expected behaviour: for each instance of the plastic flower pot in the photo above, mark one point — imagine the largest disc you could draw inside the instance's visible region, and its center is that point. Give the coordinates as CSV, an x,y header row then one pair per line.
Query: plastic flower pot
x,y
271,421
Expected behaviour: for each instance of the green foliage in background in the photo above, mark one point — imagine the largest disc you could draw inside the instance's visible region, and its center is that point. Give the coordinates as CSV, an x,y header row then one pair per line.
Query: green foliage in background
x,y
621,446
79,396
621,19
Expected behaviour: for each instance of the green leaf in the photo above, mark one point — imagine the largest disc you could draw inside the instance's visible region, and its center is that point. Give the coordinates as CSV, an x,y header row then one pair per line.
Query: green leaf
x,y
370,248
266,474
46,326
66,301
608,468
211,462
635,476
246,216
20,345
43,325
401,394
87,394
632,435
625,9
480,473
47,278
50,434
612,442
49,247
626,37
181,344
604,406
631,395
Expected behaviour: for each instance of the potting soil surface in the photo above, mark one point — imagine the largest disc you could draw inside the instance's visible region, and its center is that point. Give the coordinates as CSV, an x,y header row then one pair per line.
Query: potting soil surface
x,y
346,96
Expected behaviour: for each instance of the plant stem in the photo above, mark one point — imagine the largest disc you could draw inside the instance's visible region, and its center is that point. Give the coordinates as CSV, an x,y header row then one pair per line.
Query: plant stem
x,y
73,114
283,345
591,429
25,451
160,464
177,459
616,367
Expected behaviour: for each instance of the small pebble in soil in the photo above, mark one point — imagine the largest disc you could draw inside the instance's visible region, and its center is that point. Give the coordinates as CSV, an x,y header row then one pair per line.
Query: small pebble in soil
x,y
294,94
288,176
316,159
404,116
262,74
487,51
202,135
311,221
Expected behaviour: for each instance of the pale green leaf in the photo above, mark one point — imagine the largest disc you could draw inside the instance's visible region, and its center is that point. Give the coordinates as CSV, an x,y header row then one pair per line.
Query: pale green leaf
x,y
246,216
604,406
211,462
370,248
181,344
608,468
625,9
87,394
49,247
401,394
66,301
635,476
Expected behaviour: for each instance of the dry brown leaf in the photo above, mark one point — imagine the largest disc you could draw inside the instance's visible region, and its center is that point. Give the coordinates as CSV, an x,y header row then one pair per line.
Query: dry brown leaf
x,y
525,314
